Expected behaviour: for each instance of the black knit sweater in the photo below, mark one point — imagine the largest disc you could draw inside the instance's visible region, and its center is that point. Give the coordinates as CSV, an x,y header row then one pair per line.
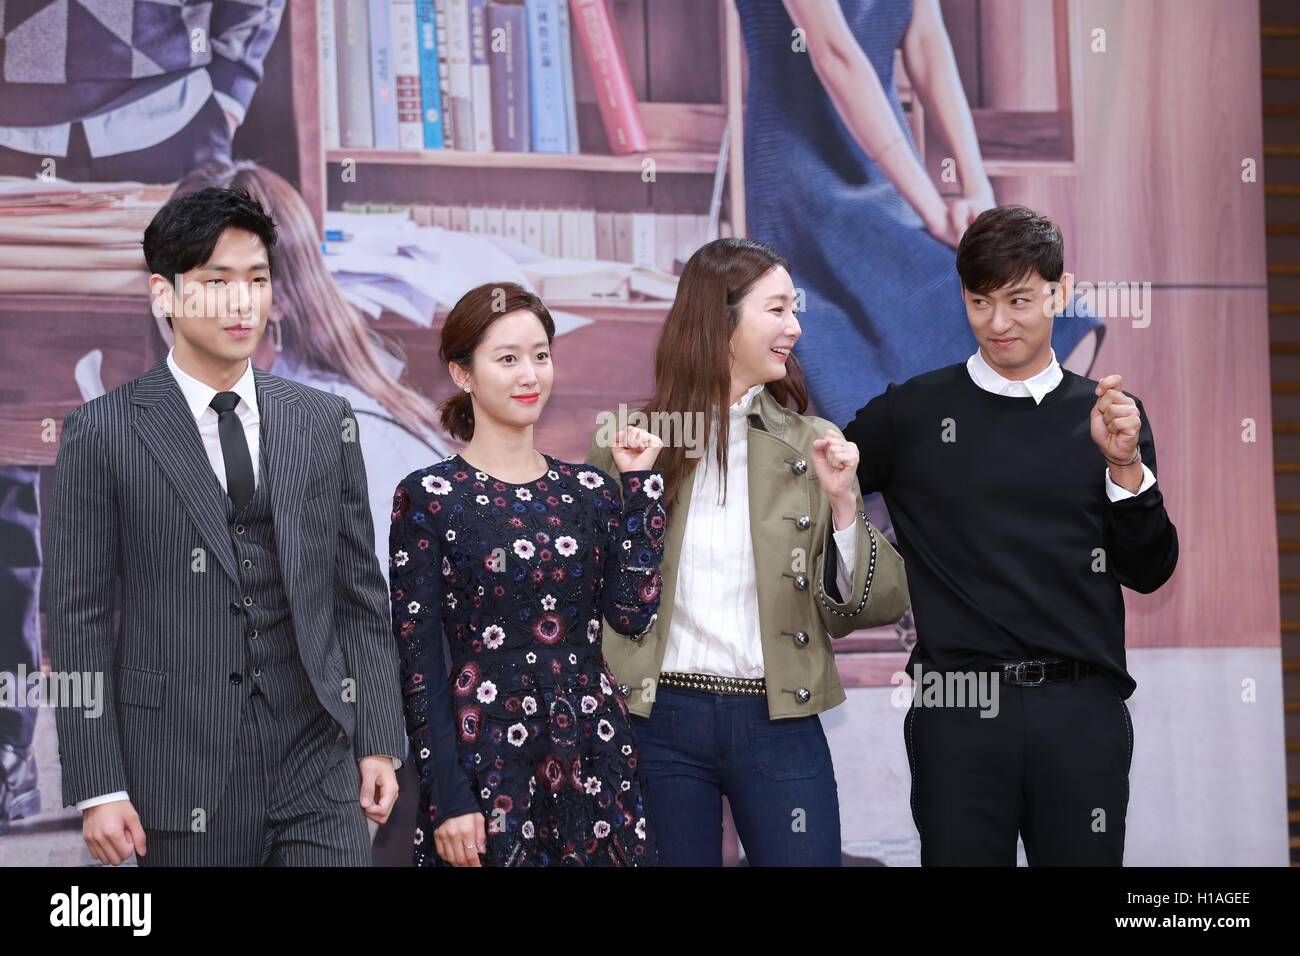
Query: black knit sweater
x,y
1013,549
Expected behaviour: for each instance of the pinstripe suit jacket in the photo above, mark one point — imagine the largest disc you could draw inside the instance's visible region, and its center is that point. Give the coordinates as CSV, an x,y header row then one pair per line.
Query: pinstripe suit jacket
x,y
137,525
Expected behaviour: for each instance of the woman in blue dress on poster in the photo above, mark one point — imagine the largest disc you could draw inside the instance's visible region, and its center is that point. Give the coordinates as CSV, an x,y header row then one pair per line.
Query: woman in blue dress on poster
x,y
525,753
871,242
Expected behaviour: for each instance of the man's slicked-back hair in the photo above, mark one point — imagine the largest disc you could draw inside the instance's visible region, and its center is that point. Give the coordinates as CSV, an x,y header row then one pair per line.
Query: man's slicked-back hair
x,y
185,230
1005,244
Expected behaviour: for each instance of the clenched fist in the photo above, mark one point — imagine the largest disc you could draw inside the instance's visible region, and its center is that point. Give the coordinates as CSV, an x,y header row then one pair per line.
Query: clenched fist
x,y
836,461
1116,423
635,449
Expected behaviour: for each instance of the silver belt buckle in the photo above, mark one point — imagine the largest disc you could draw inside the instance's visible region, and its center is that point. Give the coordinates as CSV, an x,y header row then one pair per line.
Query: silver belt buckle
x,y
1020,673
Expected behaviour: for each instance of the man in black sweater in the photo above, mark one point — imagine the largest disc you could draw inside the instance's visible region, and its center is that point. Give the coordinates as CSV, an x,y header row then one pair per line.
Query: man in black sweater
x,y
1023,496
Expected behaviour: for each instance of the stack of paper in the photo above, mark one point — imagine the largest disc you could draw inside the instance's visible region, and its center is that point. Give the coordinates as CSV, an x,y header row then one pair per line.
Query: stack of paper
x,y
74,238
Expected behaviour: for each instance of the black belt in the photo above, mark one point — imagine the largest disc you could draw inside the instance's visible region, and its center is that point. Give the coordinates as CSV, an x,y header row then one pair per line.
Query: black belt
x,y
1033,673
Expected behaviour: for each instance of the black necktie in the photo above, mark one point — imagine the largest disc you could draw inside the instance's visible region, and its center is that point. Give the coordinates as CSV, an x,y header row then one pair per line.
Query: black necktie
x,y
234,449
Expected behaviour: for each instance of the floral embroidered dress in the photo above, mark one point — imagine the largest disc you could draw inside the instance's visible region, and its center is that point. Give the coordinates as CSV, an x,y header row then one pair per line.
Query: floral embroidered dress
x,y
530,728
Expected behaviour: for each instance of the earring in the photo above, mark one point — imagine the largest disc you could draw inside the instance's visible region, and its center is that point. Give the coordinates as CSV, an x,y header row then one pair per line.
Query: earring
x,y
277,337
733,349
466,388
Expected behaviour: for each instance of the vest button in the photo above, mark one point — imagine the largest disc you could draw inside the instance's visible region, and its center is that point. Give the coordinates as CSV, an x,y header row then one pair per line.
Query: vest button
x,y
804,522
248,601
248,562
239,529
801,638
799,466
257,672
800,582
236,678
252,633
803,695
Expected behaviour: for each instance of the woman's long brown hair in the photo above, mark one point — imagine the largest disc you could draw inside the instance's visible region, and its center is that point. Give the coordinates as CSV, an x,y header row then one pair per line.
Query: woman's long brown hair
x,y
693,357
319,325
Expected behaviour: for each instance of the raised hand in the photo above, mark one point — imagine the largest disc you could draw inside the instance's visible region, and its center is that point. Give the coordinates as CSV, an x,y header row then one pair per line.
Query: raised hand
x,y
836,461
1116,423
635,449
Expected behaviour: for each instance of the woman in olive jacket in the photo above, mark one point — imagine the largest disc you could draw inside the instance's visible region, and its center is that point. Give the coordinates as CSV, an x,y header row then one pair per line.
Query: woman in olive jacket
x,y
768,557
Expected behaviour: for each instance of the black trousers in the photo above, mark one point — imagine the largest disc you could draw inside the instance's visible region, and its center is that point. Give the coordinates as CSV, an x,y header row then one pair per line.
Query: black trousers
x,y
1052,766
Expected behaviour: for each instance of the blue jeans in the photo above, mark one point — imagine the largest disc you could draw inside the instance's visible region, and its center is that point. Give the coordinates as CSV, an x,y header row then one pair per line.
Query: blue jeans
x,y
777,776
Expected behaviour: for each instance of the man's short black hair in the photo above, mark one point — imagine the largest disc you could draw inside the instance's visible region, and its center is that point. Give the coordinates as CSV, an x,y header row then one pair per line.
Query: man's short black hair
x,y
185,230
1007,243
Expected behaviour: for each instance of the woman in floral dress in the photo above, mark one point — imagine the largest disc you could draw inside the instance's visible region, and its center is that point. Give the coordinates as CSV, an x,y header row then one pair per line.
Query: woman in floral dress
x,y
525,752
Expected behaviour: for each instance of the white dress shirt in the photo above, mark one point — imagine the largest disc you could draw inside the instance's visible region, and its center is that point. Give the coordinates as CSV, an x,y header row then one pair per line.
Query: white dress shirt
x,y
198,397
990,379
715,627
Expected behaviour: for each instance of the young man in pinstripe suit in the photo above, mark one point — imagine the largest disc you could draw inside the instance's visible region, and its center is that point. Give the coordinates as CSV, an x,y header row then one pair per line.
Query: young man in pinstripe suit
x,y
251,683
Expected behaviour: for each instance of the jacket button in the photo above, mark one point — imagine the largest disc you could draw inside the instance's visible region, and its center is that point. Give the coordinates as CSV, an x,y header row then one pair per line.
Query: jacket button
x,y
801,582
804,522
799,466
236,678
803,694
801,638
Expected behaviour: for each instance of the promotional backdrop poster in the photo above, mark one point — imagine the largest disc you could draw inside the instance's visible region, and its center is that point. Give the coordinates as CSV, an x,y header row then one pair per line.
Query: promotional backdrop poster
x,y
398,185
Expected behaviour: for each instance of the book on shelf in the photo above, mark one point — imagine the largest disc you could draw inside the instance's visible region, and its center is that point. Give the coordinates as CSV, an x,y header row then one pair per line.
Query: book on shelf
x,y
382,92
429,73
406,75
546,86
458,73
508,25
472,75
566,76
329,73
480,76
352,33
614,93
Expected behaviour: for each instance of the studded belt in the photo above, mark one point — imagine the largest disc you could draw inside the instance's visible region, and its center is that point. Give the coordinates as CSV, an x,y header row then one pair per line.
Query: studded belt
x,y
714,684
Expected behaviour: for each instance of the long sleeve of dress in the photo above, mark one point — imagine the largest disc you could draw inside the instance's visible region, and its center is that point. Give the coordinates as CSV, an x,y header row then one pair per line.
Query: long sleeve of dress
x,y
415,578
634,527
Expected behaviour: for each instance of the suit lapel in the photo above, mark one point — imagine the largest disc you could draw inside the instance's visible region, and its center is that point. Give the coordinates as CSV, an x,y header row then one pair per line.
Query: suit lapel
x,y
286,448
163,422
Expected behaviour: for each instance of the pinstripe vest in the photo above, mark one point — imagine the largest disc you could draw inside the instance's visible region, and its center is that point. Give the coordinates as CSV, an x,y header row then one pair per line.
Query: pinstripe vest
x,y
272,661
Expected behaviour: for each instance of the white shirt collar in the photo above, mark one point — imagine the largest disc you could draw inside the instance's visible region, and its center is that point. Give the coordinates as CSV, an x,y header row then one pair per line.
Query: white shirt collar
x,y
741,408
198,396
988,378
